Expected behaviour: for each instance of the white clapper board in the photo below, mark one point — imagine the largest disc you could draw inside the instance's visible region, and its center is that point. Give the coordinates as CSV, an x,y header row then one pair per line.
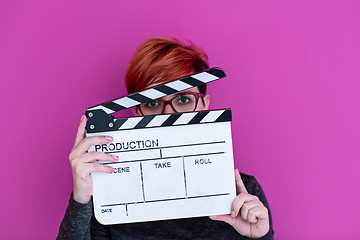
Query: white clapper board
x,y
170,166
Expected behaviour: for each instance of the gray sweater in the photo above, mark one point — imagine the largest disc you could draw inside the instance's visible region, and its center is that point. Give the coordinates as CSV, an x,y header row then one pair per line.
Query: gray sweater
x,y
79,223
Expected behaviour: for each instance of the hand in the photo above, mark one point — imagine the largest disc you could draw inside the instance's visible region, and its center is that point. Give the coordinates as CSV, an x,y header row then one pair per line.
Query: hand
x,y
82,162
249,216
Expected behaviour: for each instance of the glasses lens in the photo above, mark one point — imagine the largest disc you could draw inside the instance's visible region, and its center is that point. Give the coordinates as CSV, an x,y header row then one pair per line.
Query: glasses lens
x,y
184,103
152,107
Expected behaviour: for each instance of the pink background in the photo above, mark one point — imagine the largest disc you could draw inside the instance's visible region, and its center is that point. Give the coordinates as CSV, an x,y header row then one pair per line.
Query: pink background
x,y
293,86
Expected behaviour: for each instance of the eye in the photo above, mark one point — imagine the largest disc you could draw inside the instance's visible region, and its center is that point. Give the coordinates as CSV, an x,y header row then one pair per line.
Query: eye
x,y
183,99
152,104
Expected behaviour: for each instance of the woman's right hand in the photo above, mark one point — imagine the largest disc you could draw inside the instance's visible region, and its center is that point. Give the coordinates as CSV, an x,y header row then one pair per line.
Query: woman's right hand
x,y
82,164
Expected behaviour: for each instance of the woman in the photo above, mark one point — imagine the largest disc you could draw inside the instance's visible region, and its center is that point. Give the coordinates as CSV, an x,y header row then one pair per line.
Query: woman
x,y
156,61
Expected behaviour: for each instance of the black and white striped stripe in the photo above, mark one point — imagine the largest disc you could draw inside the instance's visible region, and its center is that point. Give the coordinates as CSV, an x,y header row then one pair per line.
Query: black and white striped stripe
x,y
159,91
176,119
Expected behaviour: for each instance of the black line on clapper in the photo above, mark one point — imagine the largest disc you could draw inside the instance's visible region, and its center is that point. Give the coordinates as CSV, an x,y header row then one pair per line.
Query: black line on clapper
x,y
160,153
127,214
184,177
168,199
142,181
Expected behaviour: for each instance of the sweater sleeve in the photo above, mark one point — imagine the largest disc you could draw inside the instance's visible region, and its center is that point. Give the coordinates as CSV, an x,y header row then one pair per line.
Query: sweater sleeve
x,y
76,222
254,188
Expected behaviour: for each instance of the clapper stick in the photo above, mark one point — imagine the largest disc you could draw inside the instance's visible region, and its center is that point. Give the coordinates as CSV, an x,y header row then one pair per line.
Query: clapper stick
x,y
99,116
170,166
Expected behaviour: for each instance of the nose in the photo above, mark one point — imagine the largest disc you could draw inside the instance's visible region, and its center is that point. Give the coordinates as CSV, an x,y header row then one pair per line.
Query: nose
x,y
168,109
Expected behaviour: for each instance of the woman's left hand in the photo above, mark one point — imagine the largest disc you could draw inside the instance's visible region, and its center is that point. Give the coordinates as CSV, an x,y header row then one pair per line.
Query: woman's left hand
x,y
248,215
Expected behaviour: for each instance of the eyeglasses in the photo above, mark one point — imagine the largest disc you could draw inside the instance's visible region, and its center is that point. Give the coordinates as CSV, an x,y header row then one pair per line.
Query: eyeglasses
x,y
183,102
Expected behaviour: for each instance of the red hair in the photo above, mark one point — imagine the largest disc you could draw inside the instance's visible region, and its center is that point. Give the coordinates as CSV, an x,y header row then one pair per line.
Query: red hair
x,y
159,60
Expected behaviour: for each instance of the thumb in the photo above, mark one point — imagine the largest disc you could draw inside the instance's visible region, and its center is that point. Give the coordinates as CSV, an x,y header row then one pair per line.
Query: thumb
x,y
224,218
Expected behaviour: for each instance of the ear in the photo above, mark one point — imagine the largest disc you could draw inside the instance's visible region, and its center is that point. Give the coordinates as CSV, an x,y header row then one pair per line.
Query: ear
x,y
206,101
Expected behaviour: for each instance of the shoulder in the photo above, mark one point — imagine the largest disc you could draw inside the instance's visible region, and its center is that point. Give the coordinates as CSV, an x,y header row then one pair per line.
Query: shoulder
x,y
249,181
252,185
247,178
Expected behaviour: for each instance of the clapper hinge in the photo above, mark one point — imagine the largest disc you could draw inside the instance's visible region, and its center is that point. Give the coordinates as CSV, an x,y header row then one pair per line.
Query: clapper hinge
x,y
99,121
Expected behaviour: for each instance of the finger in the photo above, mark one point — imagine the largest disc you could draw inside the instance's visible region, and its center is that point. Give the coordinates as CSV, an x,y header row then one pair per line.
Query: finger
x,y
240,187
247,206
219,217
228,219
225,218
92,156
256,213
89,168
239,201
80,135
87,142
101,168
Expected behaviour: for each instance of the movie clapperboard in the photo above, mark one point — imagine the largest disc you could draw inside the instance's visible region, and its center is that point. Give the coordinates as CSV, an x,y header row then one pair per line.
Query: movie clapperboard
x,y
170,166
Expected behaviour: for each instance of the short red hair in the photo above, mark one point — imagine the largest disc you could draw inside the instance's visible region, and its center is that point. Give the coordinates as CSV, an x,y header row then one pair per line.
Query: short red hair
x,y
159,60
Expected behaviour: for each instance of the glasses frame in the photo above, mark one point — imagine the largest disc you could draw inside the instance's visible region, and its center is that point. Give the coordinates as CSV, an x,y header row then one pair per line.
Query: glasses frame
x,y
196,94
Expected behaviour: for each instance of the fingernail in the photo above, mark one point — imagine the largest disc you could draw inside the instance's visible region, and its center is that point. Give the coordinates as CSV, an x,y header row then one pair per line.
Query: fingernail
x,y
109,139
111,169
233,214
82,118
115,157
